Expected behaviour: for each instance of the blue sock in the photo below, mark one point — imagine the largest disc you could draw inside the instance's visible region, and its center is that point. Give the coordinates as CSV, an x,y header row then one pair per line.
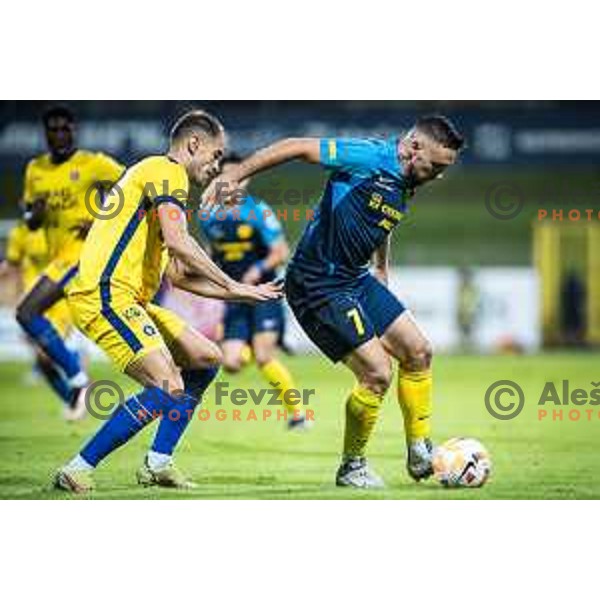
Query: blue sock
x,y
125,422
43,332
56,380
174,423
196,382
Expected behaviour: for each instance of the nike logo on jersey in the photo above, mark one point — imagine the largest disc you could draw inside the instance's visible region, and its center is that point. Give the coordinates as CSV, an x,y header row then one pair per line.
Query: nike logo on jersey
x,y
385,183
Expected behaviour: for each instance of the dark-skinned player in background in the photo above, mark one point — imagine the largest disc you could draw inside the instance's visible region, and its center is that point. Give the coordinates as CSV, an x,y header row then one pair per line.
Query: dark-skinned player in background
x,y
56,187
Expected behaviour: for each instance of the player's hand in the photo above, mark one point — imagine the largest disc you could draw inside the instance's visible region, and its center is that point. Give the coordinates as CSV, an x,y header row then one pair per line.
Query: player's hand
x,y
257,293
252,275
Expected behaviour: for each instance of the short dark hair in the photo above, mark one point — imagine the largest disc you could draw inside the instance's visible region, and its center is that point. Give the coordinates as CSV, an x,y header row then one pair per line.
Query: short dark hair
x,y
442,130
196,121
58,111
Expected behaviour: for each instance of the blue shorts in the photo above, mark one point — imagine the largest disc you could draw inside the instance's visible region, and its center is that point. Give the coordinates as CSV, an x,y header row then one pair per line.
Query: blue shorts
x,y
343,319
243,321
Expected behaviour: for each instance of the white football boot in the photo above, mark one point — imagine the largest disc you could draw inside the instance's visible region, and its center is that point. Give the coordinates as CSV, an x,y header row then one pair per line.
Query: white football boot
x,y
420,455
355,472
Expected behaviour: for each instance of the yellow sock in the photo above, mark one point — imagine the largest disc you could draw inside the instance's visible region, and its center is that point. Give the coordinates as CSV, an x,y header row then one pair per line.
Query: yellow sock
x,y
362,409
415,399
275,372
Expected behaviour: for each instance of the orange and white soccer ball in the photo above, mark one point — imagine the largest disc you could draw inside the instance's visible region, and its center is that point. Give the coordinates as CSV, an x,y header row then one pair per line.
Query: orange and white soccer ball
x,y
461,462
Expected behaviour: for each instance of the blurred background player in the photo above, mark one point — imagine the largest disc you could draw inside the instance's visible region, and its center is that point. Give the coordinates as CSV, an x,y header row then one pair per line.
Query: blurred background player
x,y
120,271
349,313
57,186
248,243
26,257
468,308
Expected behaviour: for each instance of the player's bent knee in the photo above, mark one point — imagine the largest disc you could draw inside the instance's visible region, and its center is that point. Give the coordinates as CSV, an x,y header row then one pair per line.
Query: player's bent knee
x,y
157,370
419,357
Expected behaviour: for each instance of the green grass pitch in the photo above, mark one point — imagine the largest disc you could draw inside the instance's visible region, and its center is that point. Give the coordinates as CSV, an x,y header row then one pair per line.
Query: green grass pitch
x,y
247,459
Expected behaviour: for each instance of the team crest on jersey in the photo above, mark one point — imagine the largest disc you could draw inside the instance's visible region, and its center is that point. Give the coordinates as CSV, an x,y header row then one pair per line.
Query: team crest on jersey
x,y
375,201
74,175
132,313
245,231
149,330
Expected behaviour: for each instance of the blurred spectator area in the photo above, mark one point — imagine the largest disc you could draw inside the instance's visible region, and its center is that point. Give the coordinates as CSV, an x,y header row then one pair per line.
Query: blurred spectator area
x,y
548,151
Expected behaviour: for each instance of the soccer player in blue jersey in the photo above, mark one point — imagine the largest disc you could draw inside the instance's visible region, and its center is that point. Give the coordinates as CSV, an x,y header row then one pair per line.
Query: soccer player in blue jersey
x,y
348,312
248,243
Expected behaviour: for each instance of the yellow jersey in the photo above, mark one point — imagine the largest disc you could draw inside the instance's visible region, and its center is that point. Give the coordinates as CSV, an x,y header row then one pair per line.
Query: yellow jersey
x,y
126,253
67,187
28,250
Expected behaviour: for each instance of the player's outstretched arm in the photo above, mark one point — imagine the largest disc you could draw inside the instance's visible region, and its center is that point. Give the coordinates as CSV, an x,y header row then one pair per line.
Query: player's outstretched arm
x,y
199,273
180,277
224,188
184,248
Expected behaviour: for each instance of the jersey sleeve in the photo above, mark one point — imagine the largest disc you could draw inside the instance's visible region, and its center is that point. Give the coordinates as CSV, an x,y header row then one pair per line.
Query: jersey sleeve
x,y
269,226
15,248
107,168
353,154
167,182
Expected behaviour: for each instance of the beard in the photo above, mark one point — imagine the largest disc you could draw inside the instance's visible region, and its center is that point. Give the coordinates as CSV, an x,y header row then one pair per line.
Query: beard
x,y
412,181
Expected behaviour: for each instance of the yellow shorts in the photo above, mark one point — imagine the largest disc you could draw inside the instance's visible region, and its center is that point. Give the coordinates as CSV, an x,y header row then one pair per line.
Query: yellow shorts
x,y
123,328
63,267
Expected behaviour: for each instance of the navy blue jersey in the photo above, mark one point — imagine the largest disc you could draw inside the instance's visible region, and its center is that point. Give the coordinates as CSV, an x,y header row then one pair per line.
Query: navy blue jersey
x,y
365,197
242,236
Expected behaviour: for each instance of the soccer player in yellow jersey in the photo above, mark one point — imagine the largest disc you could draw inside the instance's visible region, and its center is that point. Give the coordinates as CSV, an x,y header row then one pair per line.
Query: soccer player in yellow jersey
x,y
27,254
111,298
57,186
